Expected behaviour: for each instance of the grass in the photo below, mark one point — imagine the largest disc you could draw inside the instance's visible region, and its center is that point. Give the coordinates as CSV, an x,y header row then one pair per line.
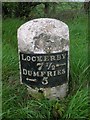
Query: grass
x,y
18,105
77,107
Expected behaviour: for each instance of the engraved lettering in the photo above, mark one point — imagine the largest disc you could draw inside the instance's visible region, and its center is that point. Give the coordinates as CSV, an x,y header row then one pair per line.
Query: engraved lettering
x,y
58,57
63,56
42,73
24,72
59,72
53,67
45,81
30,73
36,74
54,73
33,58
49,73
28,58
52,58
39,59
63,71
40,66
44,70
23,57
46,58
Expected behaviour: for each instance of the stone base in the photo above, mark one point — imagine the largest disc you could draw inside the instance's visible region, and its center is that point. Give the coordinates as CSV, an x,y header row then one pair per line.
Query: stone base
x,y
58,92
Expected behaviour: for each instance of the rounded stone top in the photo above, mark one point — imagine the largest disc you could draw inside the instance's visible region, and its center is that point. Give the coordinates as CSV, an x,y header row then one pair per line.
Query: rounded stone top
x,y
39,34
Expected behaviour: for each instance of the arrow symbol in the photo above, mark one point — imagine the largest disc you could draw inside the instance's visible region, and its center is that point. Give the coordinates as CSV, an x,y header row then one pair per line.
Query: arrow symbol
x,y
32,80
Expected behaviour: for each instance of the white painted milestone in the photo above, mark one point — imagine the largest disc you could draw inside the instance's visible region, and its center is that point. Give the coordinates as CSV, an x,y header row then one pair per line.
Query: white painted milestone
x,y
43,46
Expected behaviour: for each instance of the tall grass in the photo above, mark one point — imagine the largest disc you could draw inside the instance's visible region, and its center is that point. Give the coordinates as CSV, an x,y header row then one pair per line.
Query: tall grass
x,y
78,51
17,104
9,43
